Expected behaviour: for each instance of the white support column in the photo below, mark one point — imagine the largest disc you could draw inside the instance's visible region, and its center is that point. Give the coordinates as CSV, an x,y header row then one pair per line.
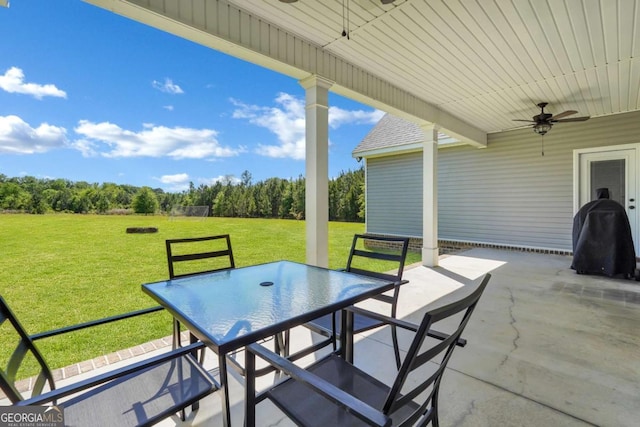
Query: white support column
x,y
430,196
317,169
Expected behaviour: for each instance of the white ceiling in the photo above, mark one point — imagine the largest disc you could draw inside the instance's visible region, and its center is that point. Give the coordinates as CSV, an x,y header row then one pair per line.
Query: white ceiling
x,y
484,61
471,66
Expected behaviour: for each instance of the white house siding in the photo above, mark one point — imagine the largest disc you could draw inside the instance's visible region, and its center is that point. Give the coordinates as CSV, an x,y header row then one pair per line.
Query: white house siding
x,y
394,195
507,194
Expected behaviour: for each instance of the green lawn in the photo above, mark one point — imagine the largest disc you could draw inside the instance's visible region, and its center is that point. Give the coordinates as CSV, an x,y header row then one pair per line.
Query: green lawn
x,y
64,269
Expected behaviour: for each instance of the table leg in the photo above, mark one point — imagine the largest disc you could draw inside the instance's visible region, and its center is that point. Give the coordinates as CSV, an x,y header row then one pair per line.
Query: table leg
x,y
346,337
224,390
250,390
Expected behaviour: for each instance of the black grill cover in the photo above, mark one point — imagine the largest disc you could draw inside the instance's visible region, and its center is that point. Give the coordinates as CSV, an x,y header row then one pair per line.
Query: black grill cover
x,y
602,241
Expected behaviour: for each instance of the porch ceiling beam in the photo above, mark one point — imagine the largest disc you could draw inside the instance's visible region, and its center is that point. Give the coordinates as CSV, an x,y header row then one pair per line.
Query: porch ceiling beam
x,y
224,27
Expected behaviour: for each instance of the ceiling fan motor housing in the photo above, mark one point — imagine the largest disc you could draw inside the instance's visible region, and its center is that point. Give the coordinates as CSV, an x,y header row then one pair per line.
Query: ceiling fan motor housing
x,y
542,117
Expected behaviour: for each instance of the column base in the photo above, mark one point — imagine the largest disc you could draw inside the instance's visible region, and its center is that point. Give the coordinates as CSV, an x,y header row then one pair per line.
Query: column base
x,y
430,257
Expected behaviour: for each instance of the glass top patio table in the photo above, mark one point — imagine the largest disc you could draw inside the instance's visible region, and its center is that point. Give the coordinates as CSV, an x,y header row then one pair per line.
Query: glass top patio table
x,y
232,308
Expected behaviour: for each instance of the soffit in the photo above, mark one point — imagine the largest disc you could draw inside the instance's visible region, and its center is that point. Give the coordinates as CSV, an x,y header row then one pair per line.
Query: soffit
x,y
482,62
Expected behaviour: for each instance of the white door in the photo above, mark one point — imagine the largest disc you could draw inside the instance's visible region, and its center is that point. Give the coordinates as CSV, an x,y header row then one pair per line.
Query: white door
x,y
614,169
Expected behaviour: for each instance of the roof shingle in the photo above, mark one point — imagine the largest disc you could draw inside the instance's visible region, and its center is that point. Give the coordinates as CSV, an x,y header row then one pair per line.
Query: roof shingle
x,y
390,131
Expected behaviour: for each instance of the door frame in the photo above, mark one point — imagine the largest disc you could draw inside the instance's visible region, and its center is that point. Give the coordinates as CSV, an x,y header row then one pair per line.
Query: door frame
x,y
604,149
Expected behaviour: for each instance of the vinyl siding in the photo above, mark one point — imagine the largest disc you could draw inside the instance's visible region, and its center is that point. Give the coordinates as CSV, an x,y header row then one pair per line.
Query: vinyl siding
x,y
506,194
394,195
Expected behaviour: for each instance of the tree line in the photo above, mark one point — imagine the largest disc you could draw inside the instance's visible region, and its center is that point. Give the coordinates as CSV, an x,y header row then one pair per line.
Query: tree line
x,y
271,198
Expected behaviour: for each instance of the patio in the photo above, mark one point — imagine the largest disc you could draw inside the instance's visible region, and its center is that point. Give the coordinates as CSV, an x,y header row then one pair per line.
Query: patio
x,y
546,346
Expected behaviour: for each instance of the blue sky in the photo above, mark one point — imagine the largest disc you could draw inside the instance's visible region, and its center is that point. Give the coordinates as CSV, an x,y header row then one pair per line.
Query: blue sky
x,y
88,95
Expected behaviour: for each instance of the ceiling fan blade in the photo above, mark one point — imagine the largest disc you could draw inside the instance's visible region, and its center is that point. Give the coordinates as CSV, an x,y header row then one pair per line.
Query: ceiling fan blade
x,y
564,114
574,119
520,120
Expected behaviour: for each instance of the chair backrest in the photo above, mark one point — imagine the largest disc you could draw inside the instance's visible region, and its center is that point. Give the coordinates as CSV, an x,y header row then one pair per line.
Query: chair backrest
x,y
384,253
24,353
199,255
390,253
414,394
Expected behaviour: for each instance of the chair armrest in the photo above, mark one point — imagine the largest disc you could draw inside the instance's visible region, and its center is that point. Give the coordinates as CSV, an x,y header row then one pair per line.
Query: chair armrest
x,y
59,393
404,325
96,322
385,319
358,408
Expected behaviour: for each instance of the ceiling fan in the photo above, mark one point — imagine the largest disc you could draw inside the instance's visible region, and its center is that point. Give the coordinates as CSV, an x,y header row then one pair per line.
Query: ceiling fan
x,y
543,122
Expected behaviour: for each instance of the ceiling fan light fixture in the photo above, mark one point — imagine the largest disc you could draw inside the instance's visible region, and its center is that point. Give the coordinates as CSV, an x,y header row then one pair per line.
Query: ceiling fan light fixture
x,y
542,128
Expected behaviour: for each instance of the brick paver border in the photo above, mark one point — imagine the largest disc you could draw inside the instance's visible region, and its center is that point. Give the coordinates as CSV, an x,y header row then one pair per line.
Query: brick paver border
x,y
26,385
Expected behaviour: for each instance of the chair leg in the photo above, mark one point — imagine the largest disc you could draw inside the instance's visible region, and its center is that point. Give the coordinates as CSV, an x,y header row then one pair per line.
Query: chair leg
x,y
434,406
176,343
396,347
277,344
287,341
192,340
281,343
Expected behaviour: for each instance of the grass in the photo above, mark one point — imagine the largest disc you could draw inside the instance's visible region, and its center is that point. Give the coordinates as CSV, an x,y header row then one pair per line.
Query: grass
x,y
61,269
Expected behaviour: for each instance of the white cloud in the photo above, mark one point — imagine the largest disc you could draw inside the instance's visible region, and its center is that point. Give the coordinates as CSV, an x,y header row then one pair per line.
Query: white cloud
x,y
339,117
111,140
176,182
13,82
86,147
167,86
178,178
18,137
287,122
168,107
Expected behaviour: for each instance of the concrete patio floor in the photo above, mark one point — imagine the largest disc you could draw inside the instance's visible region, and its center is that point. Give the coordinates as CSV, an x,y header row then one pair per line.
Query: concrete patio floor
x,y
546,347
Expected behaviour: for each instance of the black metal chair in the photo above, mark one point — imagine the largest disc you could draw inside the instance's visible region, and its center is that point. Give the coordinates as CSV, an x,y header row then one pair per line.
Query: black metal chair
x,y
197,255
203,255
390,253
333,392
142,393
